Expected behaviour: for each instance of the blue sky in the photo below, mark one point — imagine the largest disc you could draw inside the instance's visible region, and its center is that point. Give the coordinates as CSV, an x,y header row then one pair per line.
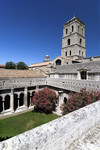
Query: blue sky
x,y
31,29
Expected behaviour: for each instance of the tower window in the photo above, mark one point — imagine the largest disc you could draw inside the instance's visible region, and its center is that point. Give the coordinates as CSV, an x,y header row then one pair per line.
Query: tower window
x,y
80,41
78,28
79,52
65,53
82,31
70,53
82,53
68,41
66,31
72,28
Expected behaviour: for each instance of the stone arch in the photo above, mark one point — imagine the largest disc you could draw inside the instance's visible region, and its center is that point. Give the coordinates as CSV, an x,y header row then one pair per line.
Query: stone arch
x,y
7,102
1,104
15,101
58,62
21,99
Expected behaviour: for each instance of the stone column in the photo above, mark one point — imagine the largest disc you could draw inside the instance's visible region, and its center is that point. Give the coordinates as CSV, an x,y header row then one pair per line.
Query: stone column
x,y
12,100
25,98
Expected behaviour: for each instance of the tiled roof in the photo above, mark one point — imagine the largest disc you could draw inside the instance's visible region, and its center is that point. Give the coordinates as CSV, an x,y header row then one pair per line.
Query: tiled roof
x,y
22,73
2,66
40,64
93,66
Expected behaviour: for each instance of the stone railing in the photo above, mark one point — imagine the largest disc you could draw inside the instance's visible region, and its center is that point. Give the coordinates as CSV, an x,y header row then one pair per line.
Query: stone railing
x,y
58,134
74,85
21,82
67,84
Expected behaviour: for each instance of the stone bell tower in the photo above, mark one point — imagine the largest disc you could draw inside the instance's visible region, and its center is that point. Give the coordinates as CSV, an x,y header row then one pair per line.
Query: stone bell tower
x,y
73,40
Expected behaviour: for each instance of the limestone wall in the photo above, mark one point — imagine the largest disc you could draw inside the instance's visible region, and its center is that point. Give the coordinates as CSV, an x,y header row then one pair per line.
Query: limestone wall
x,y
58,134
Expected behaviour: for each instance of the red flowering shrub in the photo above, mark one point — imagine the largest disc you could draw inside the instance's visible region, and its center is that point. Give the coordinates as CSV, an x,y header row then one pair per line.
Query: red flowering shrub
x,y
44,100
81,99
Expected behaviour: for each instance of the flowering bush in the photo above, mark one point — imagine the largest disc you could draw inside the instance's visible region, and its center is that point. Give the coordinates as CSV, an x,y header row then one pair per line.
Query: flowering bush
x,y
44,100
81,99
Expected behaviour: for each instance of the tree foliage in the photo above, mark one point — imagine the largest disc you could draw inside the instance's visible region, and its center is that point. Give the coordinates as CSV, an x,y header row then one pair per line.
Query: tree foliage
x,y
10,65
22,66
44,100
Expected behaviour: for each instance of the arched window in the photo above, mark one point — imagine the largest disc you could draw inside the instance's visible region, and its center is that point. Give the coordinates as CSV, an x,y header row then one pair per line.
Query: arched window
x,y
82,53
66,31
65,53
83,75
70,53
79,52
68,41
82,31
78,28
7,102
80,41
72,28
58,62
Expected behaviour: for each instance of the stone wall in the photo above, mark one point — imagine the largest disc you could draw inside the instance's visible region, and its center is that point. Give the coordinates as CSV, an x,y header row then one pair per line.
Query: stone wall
x,y
58,134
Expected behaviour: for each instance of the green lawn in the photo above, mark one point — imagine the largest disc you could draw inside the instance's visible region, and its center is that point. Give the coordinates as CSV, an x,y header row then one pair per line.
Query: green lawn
x,y
18,124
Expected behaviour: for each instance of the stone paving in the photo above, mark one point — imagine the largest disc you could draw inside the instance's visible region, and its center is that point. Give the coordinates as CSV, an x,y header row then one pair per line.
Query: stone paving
x,y
90,141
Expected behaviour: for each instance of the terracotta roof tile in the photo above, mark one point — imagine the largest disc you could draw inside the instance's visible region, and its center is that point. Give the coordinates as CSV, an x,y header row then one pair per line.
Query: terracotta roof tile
x,y
22,73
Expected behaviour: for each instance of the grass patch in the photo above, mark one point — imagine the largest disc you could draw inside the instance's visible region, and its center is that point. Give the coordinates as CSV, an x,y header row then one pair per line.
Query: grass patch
x,y
15,125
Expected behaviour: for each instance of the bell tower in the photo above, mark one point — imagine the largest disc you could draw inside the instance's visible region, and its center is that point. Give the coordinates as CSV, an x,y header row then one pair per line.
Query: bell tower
x,y
73,40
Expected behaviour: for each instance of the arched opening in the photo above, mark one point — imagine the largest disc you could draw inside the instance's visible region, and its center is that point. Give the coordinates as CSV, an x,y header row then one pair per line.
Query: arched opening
x,y
58,62
1,104
65,100
65,53
80,41
79,52
82,53
7,102
68,41
72,28
83,75
82,31
15,101
66,31
78,28
28,99
70,53
21,99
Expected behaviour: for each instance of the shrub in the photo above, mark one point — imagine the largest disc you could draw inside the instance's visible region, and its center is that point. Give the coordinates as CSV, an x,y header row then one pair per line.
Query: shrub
x,y
81,99
44,100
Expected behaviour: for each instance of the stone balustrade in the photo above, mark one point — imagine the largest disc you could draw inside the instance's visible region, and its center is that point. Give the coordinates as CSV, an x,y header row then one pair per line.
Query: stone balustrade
x,y
74,85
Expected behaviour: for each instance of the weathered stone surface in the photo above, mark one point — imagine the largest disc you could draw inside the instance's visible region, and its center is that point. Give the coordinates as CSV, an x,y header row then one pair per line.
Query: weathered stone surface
x,y
58,134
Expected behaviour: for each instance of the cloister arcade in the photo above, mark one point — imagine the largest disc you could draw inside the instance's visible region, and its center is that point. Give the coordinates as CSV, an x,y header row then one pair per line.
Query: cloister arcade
x,y
20,99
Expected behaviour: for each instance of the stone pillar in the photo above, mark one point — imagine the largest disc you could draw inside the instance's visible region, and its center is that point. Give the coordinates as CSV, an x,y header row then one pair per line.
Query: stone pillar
x,y
25,98
12,100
